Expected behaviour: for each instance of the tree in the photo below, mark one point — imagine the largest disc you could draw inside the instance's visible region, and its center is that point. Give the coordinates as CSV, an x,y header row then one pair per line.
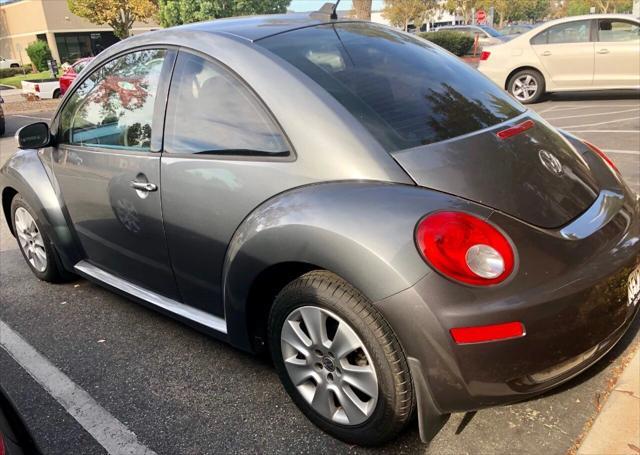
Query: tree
x,y
362,9
177,12
461,7
118,14
39,53
401,13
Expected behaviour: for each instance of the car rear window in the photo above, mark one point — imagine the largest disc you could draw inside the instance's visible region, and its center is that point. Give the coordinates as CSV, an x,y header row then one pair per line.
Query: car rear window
x,y
404,90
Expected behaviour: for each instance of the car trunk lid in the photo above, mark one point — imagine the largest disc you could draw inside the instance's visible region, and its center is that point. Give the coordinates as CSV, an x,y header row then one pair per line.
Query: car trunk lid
x,y
534,174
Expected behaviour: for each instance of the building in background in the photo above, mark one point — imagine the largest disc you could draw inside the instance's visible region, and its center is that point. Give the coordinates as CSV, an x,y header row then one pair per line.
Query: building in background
x,y
70,37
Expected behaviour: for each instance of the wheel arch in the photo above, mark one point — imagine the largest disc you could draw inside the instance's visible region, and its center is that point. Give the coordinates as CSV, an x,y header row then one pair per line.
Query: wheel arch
x,y
8,193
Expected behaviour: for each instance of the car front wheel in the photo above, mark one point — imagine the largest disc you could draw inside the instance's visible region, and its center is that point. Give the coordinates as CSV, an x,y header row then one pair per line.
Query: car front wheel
x,y
339,360
527,86
34,243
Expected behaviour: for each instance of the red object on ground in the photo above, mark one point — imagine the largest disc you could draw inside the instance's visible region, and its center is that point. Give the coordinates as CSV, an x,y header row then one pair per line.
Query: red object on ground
x,y
483,333
67,78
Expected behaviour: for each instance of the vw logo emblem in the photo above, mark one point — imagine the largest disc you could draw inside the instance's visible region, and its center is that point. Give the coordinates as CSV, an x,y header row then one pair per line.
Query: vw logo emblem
x,y
550,162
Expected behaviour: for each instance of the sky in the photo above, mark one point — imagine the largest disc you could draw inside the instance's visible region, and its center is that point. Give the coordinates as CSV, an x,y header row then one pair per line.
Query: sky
x,y
313,5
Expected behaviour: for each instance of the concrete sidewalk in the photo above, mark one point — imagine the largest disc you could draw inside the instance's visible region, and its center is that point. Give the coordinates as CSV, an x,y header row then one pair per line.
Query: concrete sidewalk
x,y
616,430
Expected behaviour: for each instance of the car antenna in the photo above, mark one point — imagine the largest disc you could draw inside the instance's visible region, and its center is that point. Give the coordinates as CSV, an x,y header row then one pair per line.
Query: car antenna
x,y
334,14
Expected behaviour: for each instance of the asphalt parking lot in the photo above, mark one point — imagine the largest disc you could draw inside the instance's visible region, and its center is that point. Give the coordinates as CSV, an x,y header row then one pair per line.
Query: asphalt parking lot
x,y
181,392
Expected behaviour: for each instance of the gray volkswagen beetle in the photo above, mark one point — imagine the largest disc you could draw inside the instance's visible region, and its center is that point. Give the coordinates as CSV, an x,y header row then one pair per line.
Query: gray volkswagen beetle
x,y
399,233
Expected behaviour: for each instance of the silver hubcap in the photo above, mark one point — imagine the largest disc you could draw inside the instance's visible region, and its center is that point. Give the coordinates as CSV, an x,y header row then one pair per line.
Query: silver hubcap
x,y
30,239
329,365
525,87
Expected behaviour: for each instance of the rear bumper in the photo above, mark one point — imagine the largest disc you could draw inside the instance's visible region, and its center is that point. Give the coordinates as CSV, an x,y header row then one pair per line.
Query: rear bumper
x,y
571,296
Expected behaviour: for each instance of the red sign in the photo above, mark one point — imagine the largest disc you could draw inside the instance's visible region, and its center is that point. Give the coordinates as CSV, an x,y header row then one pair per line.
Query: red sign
x,y
481,16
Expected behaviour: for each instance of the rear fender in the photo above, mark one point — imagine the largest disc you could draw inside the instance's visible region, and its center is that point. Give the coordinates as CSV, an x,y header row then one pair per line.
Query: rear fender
x,y
362,231
26,174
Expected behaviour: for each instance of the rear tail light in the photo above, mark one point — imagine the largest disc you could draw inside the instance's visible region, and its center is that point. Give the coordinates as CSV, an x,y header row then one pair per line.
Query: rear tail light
x,y
37,87
516,129
465,248
602,155
485,55
484,333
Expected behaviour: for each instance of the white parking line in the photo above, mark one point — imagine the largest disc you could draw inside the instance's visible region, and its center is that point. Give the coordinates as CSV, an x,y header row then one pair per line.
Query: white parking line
x,y
566,127
99,423
586,106
606,131
622,152
593,115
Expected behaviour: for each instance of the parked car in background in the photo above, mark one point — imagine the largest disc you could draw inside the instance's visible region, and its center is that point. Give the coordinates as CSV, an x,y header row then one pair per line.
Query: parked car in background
x,y
398,231
43,89
487,36
594,52
2,124
8,63
516,29
70,74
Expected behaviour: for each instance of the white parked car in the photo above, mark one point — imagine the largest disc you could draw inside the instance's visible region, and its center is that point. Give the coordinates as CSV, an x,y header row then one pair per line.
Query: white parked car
x,y
8,63
42,88
487,36
594,52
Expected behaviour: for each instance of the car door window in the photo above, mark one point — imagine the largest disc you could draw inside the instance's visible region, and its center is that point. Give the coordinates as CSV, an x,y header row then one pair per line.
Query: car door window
x,y
614,30
113,108
210,111
569,32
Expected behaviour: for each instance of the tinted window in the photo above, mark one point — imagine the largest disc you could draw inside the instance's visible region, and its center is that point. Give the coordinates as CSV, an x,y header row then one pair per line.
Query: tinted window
x,y
210,111
569,32
612,30
540,38
491,31
404,90
79,66
114,107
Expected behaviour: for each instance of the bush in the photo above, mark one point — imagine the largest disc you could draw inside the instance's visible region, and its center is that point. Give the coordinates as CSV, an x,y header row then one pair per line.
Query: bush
x,y
455,42
39,53
8,72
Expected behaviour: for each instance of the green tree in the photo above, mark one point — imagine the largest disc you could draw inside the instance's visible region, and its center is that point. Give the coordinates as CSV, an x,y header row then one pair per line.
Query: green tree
x,y
578,7
401,13
118,14
177,12
461,7
39,53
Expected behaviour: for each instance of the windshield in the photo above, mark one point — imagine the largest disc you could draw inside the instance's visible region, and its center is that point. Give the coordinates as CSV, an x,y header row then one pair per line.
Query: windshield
x,y
491,31
404,90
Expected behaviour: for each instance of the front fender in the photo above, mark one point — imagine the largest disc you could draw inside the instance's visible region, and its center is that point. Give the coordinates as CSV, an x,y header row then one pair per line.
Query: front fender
x,y
362,231
26,174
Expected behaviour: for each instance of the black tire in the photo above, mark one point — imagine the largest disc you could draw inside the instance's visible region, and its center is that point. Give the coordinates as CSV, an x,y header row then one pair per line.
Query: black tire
x,y
396,400
56,93
539,81
14,65
53,271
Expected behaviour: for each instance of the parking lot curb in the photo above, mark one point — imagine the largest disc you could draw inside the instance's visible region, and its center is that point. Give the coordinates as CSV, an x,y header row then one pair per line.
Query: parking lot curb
x,y
616,430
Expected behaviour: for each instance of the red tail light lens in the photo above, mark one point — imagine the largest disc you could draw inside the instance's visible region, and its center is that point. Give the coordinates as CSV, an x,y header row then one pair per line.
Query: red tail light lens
x,y
516,129
485,55
602,155
465,248
484,333
37,87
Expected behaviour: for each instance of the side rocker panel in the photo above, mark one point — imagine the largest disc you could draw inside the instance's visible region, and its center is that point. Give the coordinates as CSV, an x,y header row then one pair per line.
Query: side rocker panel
x,y
26,173
362,231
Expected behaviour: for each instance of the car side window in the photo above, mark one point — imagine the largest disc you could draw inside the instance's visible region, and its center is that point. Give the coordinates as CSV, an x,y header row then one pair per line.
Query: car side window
x,y
569,32
611,30
211,112
113,108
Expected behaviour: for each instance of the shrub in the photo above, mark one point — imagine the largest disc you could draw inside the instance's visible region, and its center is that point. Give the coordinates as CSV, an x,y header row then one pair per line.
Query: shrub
x,y
39,53
8,72
455,42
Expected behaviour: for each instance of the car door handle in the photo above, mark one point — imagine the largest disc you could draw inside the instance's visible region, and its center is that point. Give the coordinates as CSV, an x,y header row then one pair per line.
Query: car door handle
x,y
143,186
603,51
546,53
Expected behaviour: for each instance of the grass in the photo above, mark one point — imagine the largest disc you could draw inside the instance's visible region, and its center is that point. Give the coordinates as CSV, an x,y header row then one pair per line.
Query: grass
x,y
15,80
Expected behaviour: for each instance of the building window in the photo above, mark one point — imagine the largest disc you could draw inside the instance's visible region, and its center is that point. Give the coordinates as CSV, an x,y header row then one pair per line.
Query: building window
x,y
72,46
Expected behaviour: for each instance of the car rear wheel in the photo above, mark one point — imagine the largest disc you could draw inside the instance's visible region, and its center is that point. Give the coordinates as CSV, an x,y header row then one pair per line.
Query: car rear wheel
x,y
339,360
34,243
527,86
56,93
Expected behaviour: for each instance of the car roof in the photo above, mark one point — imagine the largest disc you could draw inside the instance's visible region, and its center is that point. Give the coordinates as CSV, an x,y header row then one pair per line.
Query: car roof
x,y
590,16
254,28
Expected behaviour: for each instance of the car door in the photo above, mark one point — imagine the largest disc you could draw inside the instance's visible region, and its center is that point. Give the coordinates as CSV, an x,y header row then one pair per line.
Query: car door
x,y
566,51
224,155
617,54
108,168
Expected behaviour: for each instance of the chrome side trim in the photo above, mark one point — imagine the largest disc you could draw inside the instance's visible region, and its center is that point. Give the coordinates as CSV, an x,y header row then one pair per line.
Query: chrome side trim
x,y
606,206
177,308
